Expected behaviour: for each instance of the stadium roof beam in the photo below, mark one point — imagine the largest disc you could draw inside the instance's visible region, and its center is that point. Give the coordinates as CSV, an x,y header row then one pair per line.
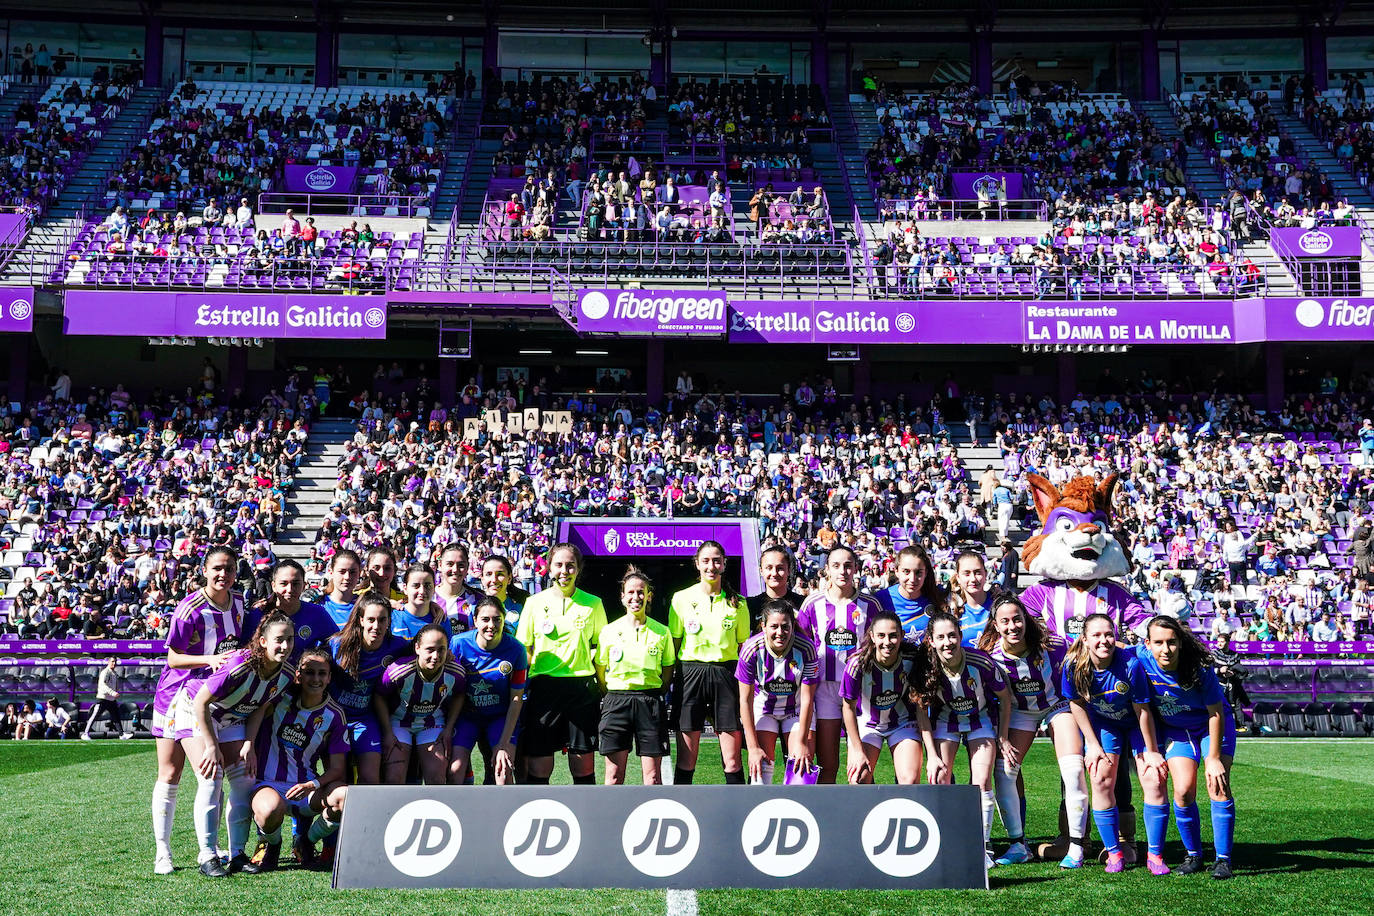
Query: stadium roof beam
x,y
1158,12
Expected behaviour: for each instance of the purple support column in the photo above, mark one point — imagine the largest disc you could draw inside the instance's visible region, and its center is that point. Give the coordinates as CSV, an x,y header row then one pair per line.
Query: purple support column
x,y
19,367
448,382
237,376
152,52
1273,375
653,371
863,378
658,62
326,56
1314,56
980,54
1068,378
820,63
1149,65
491,53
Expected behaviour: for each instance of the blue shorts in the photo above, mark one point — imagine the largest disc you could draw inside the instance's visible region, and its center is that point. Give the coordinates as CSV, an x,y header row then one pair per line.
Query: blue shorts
x,y
1117,737
365,736
1195,743
300,807
472,728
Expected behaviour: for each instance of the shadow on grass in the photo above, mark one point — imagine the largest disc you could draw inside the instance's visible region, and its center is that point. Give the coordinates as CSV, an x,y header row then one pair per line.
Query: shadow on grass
x,y
1296,856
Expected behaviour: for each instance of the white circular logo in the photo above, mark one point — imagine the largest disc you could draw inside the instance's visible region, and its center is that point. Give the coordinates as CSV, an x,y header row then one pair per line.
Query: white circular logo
x,y
1315,242
20,309
900,837
374,317
780,837
422,838
660,837
542,838
1309,313
320,179
595,305
906,322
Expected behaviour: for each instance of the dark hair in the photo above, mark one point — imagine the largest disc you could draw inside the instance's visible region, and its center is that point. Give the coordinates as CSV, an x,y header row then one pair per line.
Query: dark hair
x,y
272,603
731,595
1192,654
257,653
966,554
455,546
428,629
791,561
350,638
225,550
930,589
778,606
571,548
1037,638
1077,664
862,659
926,690
344,553
496,558
838,547
414,568
487,601
634,572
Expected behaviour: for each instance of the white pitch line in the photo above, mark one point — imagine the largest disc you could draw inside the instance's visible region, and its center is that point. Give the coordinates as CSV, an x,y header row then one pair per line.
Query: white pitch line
x,y
682,902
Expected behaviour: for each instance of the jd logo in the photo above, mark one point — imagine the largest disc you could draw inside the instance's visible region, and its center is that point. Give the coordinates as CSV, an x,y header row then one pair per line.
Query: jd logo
x,y
780,837
900,837
660,838
422,838
542,838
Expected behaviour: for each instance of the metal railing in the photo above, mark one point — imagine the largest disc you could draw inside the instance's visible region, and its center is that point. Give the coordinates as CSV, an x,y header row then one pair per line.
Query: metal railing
x,y
379,205
984,281
949,209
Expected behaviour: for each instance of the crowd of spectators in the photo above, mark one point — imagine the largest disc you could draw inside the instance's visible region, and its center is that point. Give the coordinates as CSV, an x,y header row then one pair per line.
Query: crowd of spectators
x,y
1343,120
110,500
758,123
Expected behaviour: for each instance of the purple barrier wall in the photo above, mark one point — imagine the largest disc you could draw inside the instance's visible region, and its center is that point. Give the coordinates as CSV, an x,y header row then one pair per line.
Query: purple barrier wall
x,y
965,185
16,306
1330,242
136,314
648,311
1307,648
321,179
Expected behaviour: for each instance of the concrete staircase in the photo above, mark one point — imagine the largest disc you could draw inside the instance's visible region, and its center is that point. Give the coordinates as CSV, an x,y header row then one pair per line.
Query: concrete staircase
x,y
1312,149
856,128
16,95
1202,176
88,184
455,163
43,250
314,490
977,459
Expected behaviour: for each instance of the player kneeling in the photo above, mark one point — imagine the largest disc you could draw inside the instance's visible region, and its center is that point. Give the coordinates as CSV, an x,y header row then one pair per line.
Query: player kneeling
x,y
305,731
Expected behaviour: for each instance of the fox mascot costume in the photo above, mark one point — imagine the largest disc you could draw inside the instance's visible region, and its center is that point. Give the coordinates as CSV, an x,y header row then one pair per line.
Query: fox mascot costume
x,y
1077,556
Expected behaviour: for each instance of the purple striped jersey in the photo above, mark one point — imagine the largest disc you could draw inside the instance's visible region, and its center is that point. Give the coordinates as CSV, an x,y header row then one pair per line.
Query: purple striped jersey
x,y
879,694
417,703
1063,607
836,628
294,740
198,628
237,690
967,699
1034,687
777,680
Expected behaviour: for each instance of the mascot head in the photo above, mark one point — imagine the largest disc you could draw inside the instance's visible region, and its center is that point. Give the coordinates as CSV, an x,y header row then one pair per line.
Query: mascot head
x,y
1075,542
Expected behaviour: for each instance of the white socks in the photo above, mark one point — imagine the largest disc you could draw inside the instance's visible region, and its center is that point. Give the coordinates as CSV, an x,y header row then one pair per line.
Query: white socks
x,y
240,811
209,798
164,813
989,808
1008,799
321,828
1075,796
767,777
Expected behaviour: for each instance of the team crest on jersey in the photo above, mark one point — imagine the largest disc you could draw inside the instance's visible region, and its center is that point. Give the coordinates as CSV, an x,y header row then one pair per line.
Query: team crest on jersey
x,y
1121,688
505,668
857,616
727,621
304,633
694,626
653,649
970,684
317,723
616,654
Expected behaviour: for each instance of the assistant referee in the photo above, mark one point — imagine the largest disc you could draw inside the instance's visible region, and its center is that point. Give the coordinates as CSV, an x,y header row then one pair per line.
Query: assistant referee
x,y
559,627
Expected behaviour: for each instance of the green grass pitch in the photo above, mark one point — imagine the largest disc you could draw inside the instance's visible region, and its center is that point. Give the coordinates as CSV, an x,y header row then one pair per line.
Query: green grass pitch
x,y
75,838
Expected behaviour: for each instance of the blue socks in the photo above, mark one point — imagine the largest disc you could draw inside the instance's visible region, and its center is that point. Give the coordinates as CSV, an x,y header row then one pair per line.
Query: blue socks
x,y
1156,825
1189,828
1223,827
1108,828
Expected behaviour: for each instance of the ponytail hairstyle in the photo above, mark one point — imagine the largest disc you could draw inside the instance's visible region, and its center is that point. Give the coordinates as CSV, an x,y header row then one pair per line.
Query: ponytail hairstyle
x,y
731,594
957,598
350,638
1192,654
852,555
571,548
930,589
862,660
345,553
217,550
318,653
1078,663
257,653
429,628
378,551
1037,638
634,572
779,606
790,560
491,602
927,690
271,602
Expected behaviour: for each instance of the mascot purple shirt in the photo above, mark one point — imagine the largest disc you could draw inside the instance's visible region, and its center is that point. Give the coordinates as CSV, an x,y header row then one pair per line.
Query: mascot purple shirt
x,y
1076,555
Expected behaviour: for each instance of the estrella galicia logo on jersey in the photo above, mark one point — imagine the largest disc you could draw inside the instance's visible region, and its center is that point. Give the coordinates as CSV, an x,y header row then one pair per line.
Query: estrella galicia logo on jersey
x,y
660,837
423,838
900,837
780,837
293,735
542,838
612,540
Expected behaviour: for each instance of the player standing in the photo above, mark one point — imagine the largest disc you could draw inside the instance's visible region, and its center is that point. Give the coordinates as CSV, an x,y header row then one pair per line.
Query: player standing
x,y
418,702
497,667
313,623
835,621
419,609
362,652
634,663
777,570
345,568
916,594
709,622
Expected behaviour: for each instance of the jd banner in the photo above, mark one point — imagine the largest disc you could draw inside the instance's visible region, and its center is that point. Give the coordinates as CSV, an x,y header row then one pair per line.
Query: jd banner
x,y
873,837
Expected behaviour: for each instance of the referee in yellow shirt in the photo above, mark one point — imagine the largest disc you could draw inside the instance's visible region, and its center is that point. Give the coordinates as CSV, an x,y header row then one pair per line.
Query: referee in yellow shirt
x,y
709,622
562,702
634,662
